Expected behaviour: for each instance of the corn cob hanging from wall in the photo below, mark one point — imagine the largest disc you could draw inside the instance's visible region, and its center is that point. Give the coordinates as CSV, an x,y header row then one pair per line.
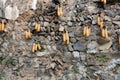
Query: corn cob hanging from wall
x,y
99,19
104,32
37,27
86,31
36,47
2,26
66,37
28,34
59,11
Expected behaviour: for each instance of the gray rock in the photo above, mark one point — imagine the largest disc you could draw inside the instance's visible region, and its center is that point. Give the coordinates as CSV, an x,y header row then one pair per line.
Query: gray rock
x,y
117,18
46,24
69,23
81,19
71,34
94,22
39,54
36,65
73,40
61,28
83,57
68,54
92,45
76,54
63,23
79,46
1,15
105,77
22,43
111,13
52,33
117,76
92,51
117,23
105,46
107,18
70,48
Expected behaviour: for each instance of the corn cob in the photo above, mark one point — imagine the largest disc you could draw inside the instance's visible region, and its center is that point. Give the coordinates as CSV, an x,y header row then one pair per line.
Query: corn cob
x,y
84,31
59,11
67,38
2,26
33,48
38,46
106,33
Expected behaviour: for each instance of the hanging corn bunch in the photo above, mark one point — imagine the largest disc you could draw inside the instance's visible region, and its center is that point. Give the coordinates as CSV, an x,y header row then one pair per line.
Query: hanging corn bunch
x,y
2,26
86,31
59,11
66,37
28,34
104,32
36,47
99,19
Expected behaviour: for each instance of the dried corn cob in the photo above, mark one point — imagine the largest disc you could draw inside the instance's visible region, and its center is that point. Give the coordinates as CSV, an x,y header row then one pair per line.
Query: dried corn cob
x,y
99,20
84,31
38,46
29,34
2,26
106,33
38,28
67,38
59,11
88,31
33,48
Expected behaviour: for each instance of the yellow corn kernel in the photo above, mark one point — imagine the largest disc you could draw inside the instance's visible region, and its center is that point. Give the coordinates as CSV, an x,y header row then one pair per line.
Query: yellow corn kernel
x,y
2,26
38,46
84,31
33,48
67,38
106,33
64,37
119,40
59,11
